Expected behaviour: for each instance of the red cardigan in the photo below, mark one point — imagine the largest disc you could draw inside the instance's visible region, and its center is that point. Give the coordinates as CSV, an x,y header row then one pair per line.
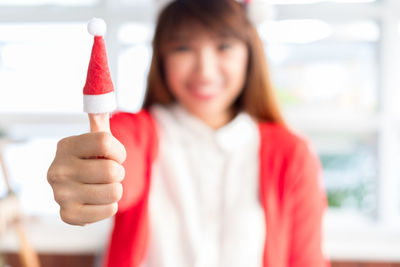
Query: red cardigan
x,y
291,195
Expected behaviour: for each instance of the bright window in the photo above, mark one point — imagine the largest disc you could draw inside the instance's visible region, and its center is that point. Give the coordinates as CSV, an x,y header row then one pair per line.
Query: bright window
x,y
335,73
350,168
297,2
47,2
329,72
42,66
133,64
26,166
305,54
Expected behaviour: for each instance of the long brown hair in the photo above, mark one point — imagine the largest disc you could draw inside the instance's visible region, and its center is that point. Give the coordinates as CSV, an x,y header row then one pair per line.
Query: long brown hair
x,y
224,17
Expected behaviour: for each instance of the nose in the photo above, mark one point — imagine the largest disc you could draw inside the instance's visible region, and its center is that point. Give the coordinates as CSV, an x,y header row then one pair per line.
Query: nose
x,y
206,64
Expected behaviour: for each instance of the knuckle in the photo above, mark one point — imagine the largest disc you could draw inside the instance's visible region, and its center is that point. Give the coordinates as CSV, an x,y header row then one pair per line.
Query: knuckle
x,y
63,144
123,152
55,174
52,175
111,209
115,171
115,193
122,172
67,216
62,197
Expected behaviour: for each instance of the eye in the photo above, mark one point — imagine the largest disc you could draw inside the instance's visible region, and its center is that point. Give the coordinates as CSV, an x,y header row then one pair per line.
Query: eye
x,y
224,46
181,48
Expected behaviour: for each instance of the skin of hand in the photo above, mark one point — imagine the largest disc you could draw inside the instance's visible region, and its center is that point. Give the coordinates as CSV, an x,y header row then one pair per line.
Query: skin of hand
x,y
86,177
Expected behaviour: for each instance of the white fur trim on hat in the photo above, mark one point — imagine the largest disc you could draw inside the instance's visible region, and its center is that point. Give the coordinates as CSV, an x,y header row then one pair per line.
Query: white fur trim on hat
x,y
104,103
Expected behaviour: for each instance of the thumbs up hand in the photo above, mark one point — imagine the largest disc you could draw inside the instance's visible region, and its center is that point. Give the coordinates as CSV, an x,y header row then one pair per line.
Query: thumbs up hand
x,y
86,177
87,170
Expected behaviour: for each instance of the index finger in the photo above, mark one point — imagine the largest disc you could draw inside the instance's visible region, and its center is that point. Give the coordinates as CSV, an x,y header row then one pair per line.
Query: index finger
x,y
96,145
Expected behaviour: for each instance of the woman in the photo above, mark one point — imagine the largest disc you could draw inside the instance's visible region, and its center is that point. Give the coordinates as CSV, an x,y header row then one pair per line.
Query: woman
x,y
213,177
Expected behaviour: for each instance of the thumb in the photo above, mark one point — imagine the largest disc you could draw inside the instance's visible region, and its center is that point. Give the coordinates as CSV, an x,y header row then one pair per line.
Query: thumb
x,y
99,122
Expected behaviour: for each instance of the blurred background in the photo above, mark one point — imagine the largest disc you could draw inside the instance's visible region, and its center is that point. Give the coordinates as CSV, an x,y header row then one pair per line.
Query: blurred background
x,y
336,69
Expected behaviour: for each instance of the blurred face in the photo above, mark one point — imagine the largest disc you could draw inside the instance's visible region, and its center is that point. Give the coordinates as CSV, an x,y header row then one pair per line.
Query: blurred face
x,y
206,73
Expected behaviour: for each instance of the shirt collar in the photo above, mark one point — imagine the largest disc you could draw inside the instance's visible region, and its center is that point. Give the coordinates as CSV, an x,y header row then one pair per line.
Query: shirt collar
x,y
238,132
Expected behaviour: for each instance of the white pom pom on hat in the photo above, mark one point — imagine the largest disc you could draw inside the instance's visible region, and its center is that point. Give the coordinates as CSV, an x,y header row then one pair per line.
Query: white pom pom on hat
x,y
97,27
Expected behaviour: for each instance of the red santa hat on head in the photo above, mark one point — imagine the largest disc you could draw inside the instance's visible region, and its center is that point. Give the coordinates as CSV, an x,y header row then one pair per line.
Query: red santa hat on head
x,y
98,92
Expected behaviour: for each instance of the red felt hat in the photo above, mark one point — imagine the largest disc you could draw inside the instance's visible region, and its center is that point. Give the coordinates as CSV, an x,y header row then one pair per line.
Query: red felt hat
x,y
98,92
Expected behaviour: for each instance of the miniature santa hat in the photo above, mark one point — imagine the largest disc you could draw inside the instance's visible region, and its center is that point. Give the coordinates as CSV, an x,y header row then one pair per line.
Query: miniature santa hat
x,y
98,93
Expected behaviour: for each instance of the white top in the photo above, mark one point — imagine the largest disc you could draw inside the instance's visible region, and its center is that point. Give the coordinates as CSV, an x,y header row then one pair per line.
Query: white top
x,y
204,202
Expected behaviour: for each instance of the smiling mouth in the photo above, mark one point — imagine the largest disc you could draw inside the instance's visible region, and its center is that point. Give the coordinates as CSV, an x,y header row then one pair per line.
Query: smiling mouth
x,y
204,93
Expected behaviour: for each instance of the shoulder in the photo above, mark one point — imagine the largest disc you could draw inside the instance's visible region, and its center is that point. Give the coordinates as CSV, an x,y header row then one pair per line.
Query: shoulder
x,y
288,150
122,122
127,119
291,154
278,138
